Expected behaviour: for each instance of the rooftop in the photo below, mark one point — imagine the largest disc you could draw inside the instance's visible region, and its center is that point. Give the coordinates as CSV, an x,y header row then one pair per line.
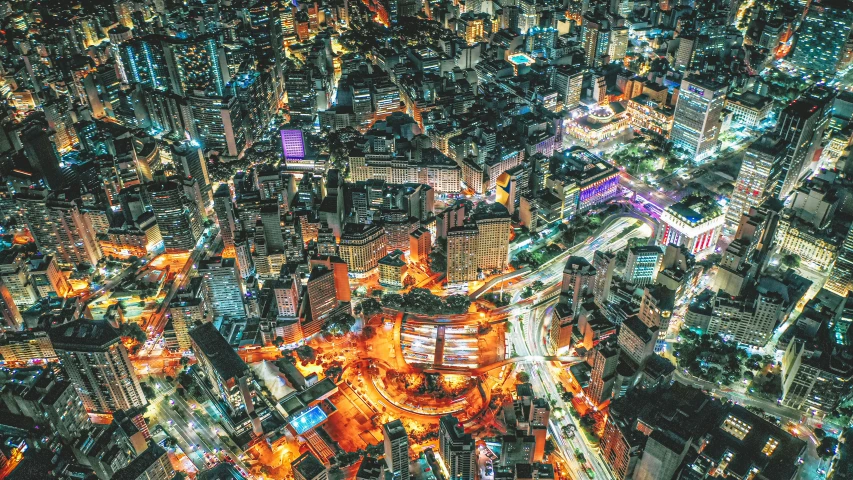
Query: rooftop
x,y
84,335
216,349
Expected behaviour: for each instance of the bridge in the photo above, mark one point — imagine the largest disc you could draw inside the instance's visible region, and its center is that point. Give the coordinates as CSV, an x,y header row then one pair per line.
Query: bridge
x,y
502,363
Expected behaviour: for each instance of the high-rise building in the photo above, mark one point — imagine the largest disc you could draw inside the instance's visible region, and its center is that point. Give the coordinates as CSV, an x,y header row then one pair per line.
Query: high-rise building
x,y
362,245
758,177
462,254
637,340
225,215
604,263
595,39
26,346
696,121
568,81
643,264
177,215
193,165
801,124
695,223
42,155
823,35
218,124
98,366
578,279
840,279
603,376
58,227
493,232
396,442
457,449
222,287
14,281
309,467
229,378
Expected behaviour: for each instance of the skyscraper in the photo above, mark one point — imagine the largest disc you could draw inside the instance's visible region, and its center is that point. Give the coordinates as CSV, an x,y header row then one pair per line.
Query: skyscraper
x,y
604,362
578,279
595,38
457,449
462,254
225,215
823,35
223,291
41,153
193,165
177,215
98,366
643,264
696,121
217,123
604,263
840,279
362,246
396,449
58,227
802,124
758,177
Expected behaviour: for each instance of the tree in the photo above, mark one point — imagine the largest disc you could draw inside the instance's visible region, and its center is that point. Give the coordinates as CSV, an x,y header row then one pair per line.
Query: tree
x,y
368,332
828,447
370,307
457,303
437,261
278,342
306,353
726,189
334,372
522,377
184,361
340,325
134,331
791,260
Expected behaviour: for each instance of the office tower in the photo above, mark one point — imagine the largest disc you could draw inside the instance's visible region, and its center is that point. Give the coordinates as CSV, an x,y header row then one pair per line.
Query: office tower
x,y
223,291
758,177
462,242
823,35
840,279
457,449
196,65
225,215
362,246
256,94
320,298
604,263
618,46
603,376
396,449
193,165
270,217
578,279
177,215
308,467
637,340
59,121
230,379
801,124
301,94
58,227
98,366
493,231
696,121
218,124
42,155
643,264
595,39
694,222
141,61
